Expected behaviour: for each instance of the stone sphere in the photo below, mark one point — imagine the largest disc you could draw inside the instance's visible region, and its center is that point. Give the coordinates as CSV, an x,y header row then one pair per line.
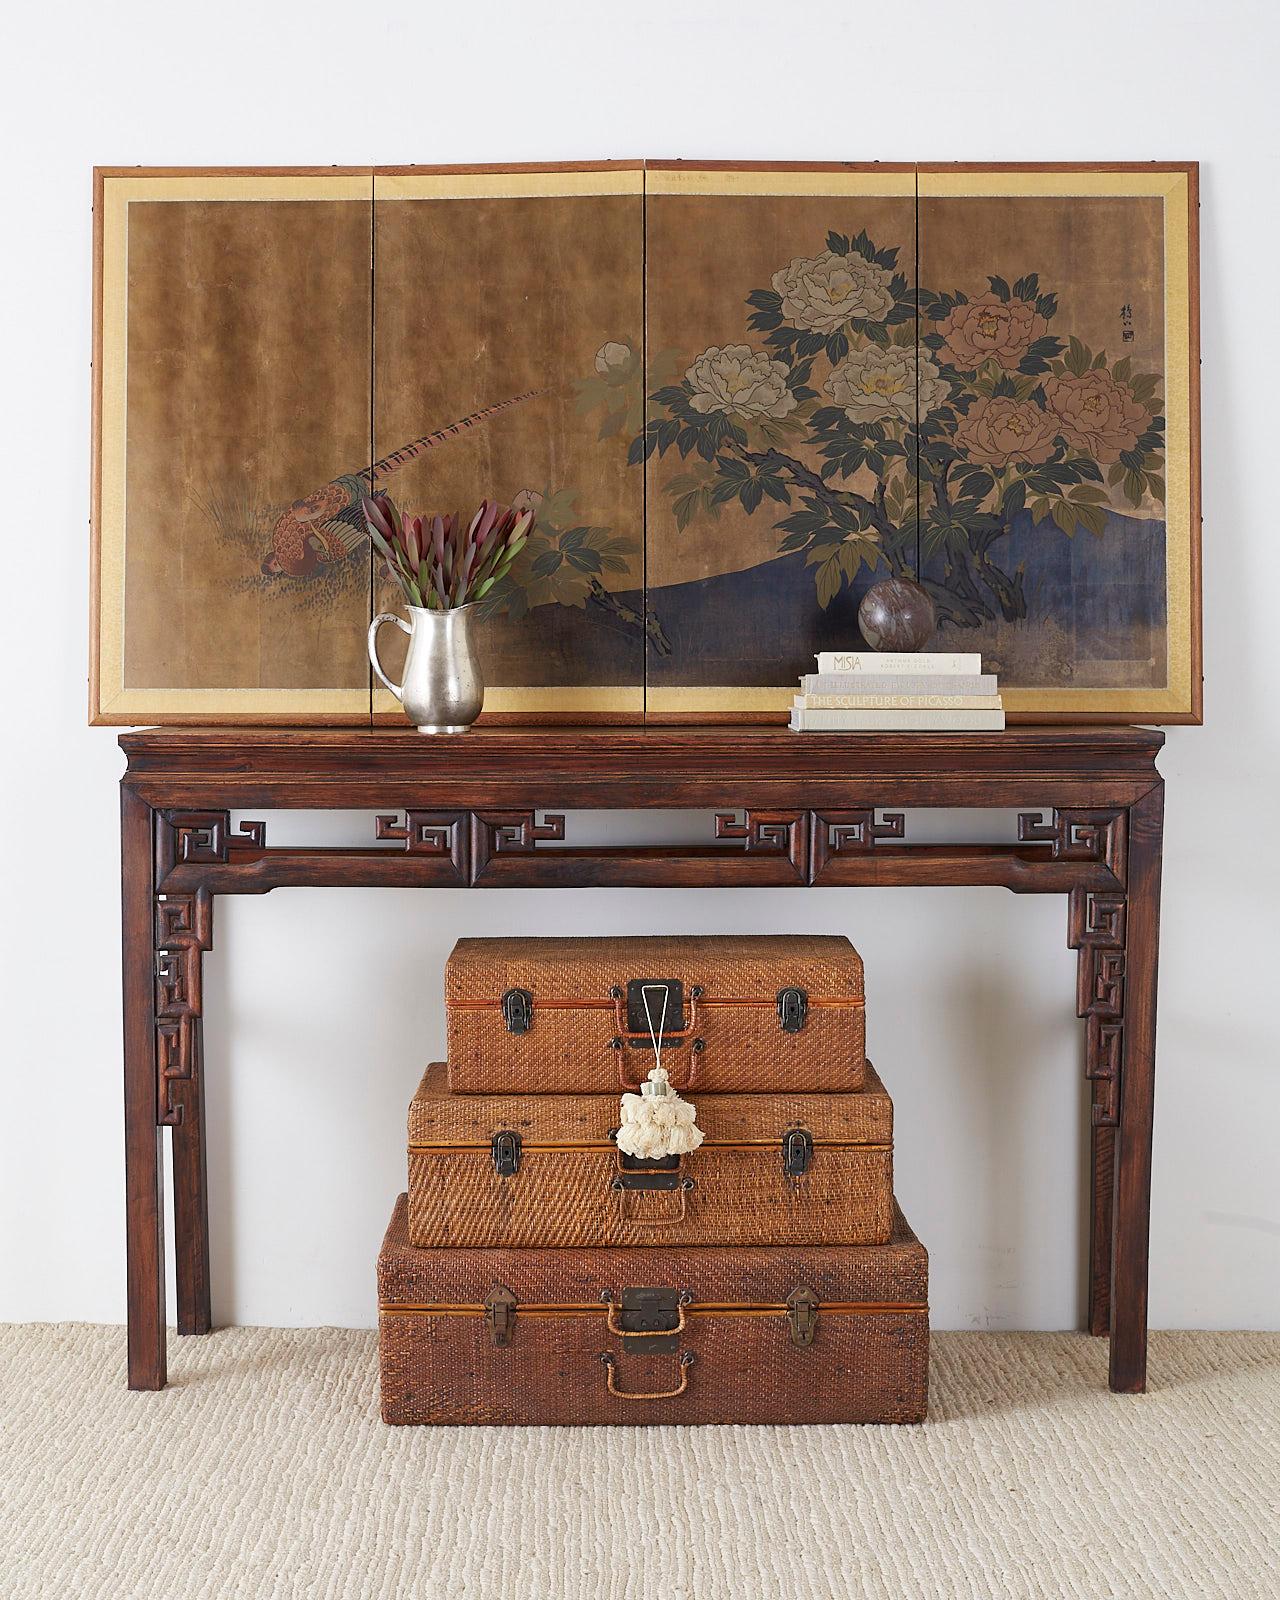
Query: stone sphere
x,y
896,614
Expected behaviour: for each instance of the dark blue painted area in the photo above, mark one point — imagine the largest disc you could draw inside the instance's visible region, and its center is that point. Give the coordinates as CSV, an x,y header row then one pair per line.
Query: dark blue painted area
x,y
760,626
1111,582
764,625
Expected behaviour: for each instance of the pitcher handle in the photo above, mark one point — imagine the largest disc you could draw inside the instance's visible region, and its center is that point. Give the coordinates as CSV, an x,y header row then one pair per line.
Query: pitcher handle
x,y
397,689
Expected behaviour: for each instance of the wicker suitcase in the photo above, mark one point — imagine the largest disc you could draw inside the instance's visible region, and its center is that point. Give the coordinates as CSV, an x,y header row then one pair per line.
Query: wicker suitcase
x,y
582,1016
543,1171
653,1335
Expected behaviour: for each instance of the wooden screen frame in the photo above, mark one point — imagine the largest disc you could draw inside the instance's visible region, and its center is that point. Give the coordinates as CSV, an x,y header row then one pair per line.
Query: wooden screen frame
x,y
116,711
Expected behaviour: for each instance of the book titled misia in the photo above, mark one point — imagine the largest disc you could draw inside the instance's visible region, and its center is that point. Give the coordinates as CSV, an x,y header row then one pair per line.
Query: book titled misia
x,y
898,661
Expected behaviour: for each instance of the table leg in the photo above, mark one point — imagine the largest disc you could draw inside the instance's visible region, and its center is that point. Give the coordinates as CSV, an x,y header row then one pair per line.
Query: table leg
x,y
1132,1196
191,1199
1102,1170
143,1166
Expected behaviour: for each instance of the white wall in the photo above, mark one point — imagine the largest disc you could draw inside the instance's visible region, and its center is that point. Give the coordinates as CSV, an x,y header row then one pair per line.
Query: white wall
x,y
315,1043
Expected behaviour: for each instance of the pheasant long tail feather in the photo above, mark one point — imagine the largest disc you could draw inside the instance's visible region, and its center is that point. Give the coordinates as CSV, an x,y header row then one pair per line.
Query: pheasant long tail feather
x,y
410,452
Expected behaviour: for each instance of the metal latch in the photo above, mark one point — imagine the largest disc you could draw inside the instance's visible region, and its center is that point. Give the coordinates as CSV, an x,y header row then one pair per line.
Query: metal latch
x,y
797,1152
517,1010
652,1182
505,1148
802,1314
793,1008
500,1313
652,1319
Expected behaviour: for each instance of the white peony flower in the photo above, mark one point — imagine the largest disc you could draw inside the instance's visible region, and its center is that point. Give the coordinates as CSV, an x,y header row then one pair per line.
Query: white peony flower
x,y
741,380
614,358
823,293
878,382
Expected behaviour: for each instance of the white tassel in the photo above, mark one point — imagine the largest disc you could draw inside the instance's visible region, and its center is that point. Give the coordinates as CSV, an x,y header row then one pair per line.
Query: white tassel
x,y
657,1122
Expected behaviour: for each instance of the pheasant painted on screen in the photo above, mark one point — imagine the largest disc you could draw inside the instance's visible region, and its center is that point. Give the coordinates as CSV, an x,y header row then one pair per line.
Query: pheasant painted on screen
x,y
324,528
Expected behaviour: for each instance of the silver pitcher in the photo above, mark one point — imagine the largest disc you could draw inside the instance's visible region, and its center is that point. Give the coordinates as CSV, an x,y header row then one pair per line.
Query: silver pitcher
x,y
443,689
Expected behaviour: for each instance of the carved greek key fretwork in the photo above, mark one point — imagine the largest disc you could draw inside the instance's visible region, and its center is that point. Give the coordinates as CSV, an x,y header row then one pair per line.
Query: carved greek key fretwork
x,y
1095,919
430,833
776,832
852,832
1078,836
1104,1047
1096,926
859,830
770,833
183,932
509,834
184,919
427,833
520,831
178,982
1096,929
207,836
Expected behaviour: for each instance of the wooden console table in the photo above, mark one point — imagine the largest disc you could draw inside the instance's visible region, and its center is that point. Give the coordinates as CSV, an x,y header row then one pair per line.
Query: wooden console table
x,y
486,810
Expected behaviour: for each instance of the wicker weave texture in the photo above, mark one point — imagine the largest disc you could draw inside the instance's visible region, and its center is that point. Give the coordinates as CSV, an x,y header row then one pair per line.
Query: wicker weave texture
x,y
826,965
897,1271
437,1116
863,1365
565,1199
569,1047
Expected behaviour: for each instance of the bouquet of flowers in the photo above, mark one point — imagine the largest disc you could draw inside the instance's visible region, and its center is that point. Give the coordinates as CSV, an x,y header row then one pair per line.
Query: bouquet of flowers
x,y
440,563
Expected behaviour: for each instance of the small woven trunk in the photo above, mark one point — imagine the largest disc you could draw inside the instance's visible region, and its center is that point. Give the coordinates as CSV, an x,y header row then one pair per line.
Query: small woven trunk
x,y
542,1171
651,1336
584,1016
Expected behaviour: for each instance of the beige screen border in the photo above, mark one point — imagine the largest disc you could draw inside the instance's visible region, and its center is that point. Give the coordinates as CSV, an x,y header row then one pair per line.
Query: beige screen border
x,y
111,703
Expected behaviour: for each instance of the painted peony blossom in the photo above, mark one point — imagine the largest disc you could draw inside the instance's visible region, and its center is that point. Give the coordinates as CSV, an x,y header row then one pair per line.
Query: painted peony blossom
x,y
1095,414
740,380
990,328
874,383
998,430
614,359
824,292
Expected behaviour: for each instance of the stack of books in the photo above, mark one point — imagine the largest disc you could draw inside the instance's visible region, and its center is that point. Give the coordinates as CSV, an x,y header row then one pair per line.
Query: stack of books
x,y
869,690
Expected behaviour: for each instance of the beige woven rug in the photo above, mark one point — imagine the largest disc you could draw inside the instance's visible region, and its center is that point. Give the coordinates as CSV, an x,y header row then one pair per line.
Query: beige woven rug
x,y
264,1471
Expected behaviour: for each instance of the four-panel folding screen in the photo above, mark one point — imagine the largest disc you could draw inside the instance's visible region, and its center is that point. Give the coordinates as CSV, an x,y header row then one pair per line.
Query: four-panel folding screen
x,y
737,396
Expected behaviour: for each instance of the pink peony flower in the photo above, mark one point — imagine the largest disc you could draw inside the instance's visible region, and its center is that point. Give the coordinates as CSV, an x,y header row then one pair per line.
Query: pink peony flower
x,y
998,430
990,328
1095,414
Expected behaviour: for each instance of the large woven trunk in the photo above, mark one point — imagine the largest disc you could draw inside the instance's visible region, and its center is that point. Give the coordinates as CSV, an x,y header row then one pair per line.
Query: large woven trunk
x,y
582,1016
543,1171
649,1335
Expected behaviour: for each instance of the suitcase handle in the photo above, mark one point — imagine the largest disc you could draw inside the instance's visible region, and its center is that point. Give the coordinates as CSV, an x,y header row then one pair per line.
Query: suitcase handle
x,y
626,1035
609,1362
621,1189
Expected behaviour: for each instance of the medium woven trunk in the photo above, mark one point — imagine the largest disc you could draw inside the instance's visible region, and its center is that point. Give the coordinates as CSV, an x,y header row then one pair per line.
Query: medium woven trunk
x,y
585,1016
653,1335
543,1171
